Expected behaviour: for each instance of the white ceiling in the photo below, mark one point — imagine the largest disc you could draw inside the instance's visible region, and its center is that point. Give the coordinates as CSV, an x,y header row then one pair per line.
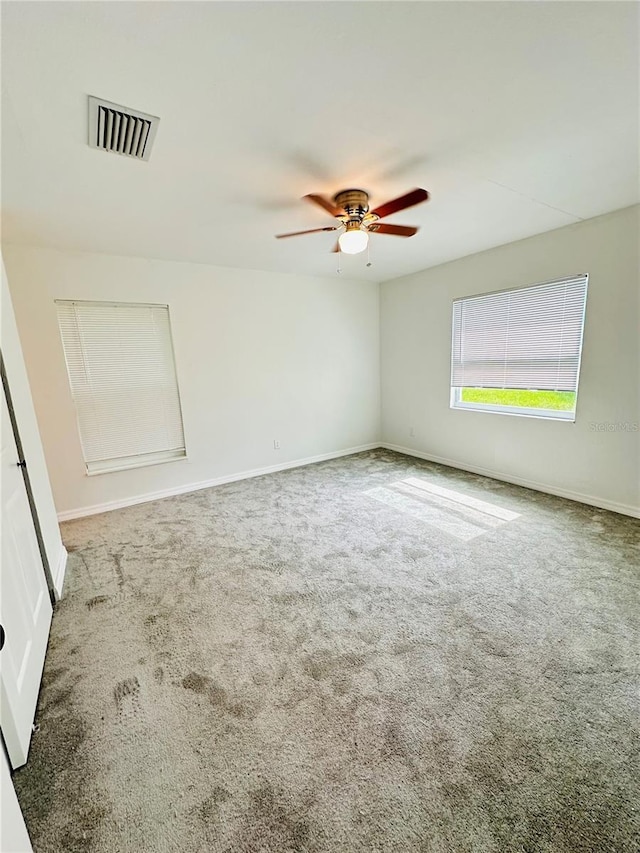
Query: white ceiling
x,y
517,117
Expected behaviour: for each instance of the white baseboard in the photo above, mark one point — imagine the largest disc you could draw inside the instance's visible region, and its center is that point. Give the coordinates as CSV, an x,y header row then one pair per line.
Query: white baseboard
x,y
81,512
59,572
601,503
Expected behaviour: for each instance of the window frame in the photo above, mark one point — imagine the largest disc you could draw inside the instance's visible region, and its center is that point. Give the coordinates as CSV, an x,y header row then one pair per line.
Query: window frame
x,y
563,415
129,461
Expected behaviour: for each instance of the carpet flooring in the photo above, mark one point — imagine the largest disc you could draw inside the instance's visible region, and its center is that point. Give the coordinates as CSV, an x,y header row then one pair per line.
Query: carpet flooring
x,y
369,654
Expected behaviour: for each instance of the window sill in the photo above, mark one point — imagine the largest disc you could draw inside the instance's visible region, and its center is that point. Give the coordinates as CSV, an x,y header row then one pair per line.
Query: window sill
x,y
130,462
540,414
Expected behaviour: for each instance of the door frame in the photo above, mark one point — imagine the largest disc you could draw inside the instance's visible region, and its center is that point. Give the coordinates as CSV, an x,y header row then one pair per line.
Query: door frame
x,y
27,484
13,833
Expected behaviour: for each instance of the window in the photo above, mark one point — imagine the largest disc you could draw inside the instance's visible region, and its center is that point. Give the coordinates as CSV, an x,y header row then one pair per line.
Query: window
x,y
123,383
518,351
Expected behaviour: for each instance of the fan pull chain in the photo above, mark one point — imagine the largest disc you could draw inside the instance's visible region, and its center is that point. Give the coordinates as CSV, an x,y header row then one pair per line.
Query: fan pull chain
x,y
368,253
339,260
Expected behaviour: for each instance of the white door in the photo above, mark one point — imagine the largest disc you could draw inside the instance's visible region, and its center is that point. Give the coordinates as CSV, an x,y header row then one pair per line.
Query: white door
x,y
25,608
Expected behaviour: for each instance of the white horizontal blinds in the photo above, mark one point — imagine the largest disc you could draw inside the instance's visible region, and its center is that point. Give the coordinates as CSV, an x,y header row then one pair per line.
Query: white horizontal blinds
x,y
525,338
123,381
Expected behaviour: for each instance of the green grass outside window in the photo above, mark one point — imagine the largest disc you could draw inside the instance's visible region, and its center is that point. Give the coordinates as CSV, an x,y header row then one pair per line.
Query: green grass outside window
x,y
559,400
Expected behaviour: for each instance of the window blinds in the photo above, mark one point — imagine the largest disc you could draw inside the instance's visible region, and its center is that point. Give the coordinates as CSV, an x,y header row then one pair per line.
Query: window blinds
x,y
526,338
123,382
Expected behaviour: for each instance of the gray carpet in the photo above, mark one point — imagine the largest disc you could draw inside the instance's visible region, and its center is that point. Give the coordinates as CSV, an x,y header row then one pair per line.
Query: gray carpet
x,y
369,654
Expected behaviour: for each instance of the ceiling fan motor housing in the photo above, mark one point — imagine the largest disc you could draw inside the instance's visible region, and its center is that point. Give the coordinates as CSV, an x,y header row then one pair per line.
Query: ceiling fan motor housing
x,y
354,202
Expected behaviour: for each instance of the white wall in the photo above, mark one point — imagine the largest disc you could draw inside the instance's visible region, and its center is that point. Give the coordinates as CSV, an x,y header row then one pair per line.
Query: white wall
x,y
260,356
571,459
264,356
30,437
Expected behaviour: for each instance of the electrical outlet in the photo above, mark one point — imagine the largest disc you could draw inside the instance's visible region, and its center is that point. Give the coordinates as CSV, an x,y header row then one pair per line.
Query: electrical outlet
x,y
276,444
412,432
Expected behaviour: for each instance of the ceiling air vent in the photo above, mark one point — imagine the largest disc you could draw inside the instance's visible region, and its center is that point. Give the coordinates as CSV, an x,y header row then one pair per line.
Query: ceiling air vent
x,y
121,130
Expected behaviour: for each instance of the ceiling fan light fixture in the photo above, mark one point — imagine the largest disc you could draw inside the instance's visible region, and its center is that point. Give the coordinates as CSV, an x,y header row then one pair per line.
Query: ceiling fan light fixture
x,y
354,240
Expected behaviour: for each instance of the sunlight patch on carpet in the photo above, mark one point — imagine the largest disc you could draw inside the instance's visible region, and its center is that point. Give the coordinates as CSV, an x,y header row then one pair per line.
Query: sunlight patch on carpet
x,y
460,515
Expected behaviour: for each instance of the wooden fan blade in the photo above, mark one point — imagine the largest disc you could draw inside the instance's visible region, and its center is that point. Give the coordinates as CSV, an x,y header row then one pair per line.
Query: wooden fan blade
x,y
311,231
398,230
324,203
408,200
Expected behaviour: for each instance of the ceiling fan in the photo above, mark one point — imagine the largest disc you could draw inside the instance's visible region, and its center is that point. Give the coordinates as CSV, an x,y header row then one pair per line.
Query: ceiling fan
x,y
351,209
